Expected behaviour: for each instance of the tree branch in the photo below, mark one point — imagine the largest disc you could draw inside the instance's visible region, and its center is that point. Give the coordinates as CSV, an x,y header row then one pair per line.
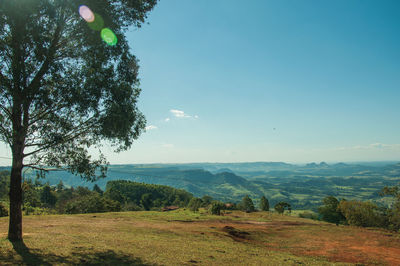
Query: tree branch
x,y
42,168
35,83
6,111
66,138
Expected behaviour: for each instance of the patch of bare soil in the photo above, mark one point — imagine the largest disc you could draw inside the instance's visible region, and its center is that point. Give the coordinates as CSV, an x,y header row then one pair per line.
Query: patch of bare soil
x,y
236,233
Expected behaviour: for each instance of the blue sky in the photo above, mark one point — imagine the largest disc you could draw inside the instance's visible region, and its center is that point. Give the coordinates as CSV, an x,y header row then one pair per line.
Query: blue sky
x,y
293,81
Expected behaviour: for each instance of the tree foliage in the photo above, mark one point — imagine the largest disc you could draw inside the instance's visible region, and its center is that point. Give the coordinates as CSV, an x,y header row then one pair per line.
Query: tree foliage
x,y
264,204
247,204
330,212
91,204
394,211
358,213
4,184
216,207
195,204
3,210
47,196
127,192
280,207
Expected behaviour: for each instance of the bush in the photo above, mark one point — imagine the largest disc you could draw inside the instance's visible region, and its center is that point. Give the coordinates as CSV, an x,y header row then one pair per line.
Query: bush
x,y
330,210
308,215
3,210
264,204
195,204
280,207
247,204
215,208
365,214
130,206
92,203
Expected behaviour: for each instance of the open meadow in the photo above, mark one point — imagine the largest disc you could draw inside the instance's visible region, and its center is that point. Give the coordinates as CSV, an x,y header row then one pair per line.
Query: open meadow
x,y
182,237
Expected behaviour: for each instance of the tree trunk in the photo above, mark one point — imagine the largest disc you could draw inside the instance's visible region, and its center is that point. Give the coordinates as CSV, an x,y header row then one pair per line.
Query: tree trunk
x,y
15,226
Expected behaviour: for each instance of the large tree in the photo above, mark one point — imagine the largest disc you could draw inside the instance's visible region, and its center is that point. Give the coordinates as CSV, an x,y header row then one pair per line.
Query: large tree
x,y
68,82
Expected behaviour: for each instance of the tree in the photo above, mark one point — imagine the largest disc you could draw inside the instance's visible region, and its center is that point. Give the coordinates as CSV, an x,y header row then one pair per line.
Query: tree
x,y
247,204
394,210
195,204
280,207
215,208
264,204
330,210
97,189
206,200
4,184
63,89
360,213
3,210
60,186
47,197
146,201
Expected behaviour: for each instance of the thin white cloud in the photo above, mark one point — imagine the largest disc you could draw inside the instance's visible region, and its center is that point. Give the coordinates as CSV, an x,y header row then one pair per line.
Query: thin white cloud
x,y
182,114
179,113
167,119
372,146
151,127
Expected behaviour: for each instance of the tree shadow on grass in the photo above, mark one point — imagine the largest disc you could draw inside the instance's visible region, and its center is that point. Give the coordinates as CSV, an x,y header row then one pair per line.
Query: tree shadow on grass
x,y
84,257
27,256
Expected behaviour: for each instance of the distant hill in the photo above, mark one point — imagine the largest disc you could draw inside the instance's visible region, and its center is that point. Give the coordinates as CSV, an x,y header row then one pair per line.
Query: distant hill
x,y
303,186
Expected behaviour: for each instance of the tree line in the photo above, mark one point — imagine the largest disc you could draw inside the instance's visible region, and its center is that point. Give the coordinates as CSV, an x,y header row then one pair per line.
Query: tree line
x,y
123,195
119,195
363,213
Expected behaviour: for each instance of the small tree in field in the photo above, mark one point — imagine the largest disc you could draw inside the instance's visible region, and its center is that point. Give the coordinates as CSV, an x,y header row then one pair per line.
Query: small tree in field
x,y
247,204
264,204
195,204
63,89
215,208
3,210
330,210
280,207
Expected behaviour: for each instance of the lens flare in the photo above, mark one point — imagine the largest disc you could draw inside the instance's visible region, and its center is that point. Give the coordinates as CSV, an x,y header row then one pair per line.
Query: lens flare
x,y
86,13
108,36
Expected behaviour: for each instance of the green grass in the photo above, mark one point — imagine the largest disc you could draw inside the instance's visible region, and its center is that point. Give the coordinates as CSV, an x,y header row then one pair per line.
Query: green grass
x,y
173,238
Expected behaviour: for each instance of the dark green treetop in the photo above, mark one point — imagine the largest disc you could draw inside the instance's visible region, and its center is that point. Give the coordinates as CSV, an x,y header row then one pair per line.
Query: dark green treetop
x,y
264,204
247,204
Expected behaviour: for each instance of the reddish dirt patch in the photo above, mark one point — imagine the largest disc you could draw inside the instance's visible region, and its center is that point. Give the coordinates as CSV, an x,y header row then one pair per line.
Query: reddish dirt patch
x,y
344,244
335,243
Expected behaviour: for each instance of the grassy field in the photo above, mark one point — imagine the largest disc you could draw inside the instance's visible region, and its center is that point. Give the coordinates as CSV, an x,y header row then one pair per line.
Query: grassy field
x,y
185,238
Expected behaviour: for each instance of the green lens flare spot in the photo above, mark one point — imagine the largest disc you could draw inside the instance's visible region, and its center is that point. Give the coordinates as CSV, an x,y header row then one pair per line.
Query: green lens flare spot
x,y
108,36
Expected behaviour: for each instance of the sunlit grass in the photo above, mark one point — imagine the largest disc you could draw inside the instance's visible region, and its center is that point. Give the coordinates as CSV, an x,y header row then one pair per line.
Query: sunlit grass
x,y
174,238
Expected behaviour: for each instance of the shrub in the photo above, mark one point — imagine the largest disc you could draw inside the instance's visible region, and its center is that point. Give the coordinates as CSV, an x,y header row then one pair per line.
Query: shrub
x,y
360,213
215,208
264,204
330,210
92,203
3,210
308,215
195,204
280,207
247,204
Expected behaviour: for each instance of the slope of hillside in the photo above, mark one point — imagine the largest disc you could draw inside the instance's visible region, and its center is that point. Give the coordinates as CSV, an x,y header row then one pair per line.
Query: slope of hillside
x,y
185,238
